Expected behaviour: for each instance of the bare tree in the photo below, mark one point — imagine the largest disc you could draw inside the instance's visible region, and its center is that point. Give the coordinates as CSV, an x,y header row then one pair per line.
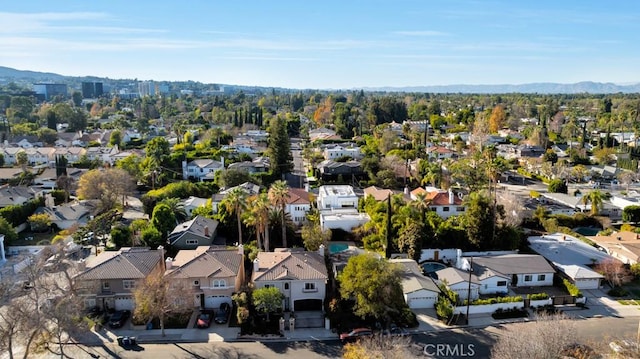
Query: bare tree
x,y
379,347
514,210
109,186
546,338
613,271
158,297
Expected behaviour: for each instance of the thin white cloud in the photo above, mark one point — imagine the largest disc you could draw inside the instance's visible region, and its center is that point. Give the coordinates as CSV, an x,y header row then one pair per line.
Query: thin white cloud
x,y
421,33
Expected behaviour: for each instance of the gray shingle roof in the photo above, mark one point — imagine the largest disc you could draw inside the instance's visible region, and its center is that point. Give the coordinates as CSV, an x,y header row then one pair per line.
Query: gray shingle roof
x,y
288,264
197,226
454,275
510,264
206,261
127,263
412,278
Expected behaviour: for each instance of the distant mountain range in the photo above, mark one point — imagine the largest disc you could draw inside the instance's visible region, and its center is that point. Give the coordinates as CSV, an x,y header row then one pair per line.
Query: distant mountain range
x,y
10,74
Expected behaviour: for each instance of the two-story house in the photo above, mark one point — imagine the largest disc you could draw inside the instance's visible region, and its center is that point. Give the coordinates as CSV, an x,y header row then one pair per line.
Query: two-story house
x,y
445,203
72,154
210,275
298,205
109,278
300,276
202,169
40,155
9,154
335,152
199,231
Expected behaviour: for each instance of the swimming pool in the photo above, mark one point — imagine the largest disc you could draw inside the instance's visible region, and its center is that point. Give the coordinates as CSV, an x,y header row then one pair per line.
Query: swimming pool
x,y
337,247
432,267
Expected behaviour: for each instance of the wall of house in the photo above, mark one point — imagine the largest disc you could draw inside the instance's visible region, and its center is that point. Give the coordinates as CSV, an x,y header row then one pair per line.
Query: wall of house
x,y
182,241
448,211
298,212
344,221
296,290
451,255
535,281
462,289
490,285
588,283
421,299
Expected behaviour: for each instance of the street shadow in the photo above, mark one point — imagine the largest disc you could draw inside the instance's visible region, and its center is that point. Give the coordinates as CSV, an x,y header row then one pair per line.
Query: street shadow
x,y
215,352
327,348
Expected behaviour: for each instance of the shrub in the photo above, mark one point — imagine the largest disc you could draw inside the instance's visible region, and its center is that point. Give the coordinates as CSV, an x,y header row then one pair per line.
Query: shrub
x,y
495,300
635,269
557,186
571,288
408,318
617,292
538,296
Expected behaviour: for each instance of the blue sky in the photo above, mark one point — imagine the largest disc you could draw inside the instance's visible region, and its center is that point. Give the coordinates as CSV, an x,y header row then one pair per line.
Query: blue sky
x,y
327,44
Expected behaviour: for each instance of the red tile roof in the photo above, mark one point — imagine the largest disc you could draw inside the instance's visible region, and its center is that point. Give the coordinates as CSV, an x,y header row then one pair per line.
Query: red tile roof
x,y
298,196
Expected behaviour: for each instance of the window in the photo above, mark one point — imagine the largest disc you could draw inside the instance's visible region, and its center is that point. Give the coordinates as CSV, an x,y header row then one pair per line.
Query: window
x,y
219,283
267,285
541,277
502,283
286,286
106,286
128,284
192,241
196,283
528,278
445,209
309,287
460,209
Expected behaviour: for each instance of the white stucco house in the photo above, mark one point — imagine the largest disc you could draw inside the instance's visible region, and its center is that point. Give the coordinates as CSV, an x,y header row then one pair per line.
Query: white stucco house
x,y
298,205
335,152
300,276
201,169
458,281
336,197
524,270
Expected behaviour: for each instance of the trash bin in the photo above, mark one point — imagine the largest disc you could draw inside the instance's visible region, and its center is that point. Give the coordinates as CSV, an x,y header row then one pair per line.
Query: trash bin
x,y
149,326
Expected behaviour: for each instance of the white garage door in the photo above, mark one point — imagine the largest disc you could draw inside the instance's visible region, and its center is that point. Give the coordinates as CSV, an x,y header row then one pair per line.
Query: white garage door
x,y
427,301
214,301
124,303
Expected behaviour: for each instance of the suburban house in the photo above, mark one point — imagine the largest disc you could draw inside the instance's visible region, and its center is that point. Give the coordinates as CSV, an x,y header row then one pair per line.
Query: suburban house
x,y
458,281
440,153
571,257
332,169
109,278
338,206
524,270
15,195
491,282
199,231
40,155
445,203
322,133
624,245
210,274
102,154
67,215
419,291
249,166
202,169
379,194
298,205
251,189
192,203
72,154
338,151
300,276
9,154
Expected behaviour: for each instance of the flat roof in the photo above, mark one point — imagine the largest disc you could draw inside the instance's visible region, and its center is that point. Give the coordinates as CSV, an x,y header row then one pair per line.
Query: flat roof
x,y
337,190
566,250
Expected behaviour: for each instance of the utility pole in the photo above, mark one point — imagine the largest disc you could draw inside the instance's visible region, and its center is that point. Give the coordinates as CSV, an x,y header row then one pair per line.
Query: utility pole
x,y
469,289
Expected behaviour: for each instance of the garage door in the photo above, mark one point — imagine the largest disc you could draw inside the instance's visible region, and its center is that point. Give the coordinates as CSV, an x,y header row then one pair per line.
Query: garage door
x,y
214,301
307,304
124,303
428,302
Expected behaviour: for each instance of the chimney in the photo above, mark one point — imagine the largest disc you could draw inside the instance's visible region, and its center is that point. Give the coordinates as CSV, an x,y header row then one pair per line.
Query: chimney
x,y
240,249
168,263
222,161
321,250
206,231
256,265
451,197
82,265
406,190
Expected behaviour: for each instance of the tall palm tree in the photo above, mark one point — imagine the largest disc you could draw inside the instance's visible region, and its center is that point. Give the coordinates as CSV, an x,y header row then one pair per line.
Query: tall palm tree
x,y
177,208
262,206
250,219
278,195
235,202
596,198
421,203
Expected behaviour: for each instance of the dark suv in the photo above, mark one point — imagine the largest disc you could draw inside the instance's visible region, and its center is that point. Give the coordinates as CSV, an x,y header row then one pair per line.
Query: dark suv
x,y
118,318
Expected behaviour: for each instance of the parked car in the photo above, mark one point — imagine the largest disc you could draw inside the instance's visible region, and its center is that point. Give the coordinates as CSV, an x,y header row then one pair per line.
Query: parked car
x,y
127,341
355,334
204,319
395,331
118,318
223,313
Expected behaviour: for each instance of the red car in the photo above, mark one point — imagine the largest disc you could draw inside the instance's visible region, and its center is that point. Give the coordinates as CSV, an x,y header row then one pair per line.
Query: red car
x,y
355,334
204,319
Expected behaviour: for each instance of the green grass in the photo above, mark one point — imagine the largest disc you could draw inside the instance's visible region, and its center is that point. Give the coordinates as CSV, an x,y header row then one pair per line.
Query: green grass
x,y
628,302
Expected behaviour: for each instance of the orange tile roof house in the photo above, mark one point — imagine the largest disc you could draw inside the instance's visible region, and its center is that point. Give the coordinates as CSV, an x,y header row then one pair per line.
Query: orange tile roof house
x,y
210,275
300,275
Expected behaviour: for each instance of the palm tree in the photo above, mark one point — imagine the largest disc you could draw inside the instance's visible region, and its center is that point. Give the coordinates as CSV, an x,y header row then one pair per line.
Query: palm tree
x,y
421,203
278,195
262,206
177,208
235,202
596,198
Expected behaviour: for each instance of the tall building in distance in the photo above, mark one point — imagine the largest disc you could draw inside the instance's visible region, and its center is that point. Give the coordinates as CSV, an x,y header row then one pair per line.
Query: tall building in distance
x,y
147,88
49,91
92,89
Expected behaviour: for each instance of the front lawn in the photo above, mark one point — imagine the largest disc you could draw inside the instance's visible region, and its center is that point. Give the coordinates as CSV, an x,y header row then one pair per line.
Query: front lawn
x,y
175,321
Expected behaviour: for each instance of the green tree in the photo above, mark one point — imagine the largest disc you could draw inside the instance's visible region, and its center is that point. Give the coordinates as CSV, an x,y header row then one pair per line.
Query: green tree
x,y
267,300
177,207
151,237
411,237
47,135
596,198
158,150
235,202
109,186
375,285
278,195
131,164
76,96
279,147
22,160
233,177
39,222
480,219
7,229
121,236
115,138
550,156
163,219
313,236
631,214
447,300
557,186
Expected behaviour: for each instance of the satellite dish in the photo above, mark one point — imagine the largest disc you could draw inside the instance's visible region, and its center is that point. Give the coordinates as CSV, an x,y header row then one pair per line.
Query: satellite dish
x,y
460,195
